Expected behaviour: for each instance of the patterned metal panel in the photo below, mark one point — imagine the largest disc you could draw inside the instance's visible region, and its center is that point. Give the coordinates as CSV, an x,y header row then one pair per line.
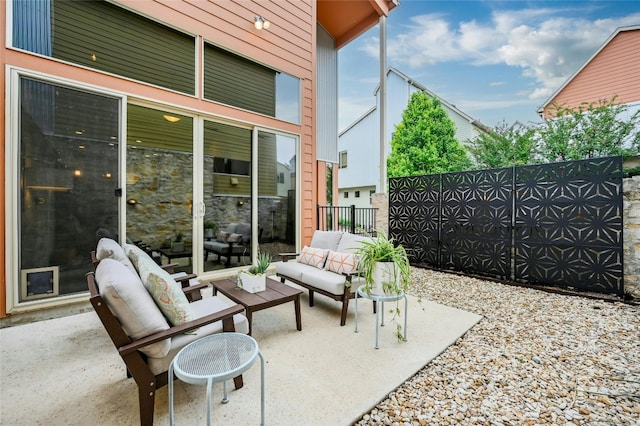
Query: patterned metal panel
x,y
476,222
568,225
414,213
554,224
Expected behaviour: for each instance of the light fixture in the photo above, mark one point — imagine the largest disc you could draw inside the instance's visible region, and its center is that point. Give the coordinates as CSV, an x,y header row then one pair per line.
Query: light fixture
x,y
132,201
261,23
171,118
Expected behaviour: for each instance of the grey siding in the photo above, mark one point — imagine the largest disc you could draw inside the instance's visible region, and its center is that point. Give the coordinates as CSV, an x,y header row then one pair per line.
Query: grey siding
x,y
327,98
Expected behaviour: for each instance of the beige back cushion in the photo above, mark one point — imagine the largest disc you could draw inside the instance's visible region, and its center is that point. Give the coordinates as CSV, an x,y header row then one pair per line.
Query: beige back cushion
x,y
110,249
130,302
326,239
350,242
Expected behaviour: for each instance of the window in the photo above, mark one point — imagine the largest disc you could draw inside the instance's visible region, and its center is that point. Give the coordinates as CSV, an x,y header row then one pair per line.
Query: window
x,y
232,167
103,36
281,177
357,194
346,194
342,160
233,80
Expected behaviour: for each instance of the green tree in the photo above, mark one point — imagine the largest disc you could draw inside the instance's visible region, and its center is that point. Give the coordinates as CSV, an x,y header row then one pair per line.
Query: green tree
x,y
592,130
504,146
424,142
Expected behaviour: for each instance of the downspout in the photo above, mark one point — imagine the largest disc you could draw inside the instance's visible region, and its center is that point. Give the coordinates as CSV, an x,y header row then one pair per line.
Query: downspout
x,y
383,105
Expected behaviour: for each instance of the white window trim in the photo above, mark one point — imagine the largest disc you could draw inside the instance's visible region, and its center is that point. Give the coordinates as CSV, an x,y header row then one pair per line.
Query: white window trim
x,y
12,199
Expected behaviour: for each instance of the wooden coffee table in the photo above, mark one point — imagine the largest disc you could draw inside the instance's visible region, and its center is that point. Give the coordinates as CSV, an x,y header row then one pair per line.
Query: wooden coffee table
x,y
276,293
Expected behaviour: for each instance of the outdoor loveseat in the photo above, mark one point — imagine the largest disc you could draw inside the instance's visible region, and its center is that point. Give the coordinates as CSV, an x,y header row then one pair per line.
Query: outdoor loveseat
x,y
327,266
149,318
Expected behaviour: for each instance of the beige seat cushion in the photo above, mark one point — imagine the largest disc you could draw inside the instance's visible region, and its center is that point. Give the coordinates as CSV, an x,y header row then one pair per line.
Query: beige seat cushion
x,y
206,306
130,302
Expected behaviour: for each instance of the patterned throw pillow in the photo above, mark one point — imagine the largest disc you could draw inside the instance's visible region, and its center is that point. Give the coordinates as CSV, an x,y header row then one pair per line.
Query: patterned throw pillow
x,y
313,256
164,290
341,262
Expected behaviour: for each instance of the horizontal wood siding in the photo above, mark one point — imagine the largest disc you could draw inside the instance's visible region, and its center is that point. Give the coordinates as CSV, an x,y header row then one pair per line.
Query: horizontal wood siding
x,y
288,45
615,71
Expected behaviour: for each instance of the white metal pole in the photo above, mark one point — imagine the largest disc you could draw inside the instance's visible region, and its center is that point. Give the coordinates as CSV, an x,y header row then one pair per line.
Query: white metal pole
x,y
383,104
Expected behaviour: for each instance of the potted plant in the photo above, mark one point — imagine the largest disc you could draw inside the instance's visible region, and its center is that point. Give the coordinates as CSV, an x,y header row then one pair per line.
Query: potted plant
x,y
178,244
210,229
254,279
385,268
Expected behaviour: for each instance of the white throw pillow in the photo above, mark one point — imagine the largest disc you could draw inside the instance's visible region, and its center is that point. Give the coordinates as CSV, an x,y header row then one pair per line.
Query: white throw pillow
x,y
313,256
341,262
130,302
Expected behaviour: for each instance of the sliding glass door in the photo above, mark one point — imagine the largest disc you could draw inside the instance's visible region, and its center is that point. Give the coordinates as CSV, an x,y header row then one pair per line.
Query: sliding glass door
x,y
227,188
276,193
67,159
159,183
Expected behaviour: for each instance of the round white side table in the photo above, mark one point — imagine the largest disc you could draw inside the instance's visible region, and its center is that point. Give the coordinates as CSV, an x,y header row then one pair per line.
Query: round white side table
x,y
216,358
381,299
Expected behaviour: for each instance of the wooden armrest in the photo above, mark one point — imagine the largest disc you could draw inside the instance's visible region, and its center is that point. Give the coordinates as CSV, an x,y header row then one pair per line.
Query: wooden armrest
x,y
185,278
180,329
170,268
195,287
287,256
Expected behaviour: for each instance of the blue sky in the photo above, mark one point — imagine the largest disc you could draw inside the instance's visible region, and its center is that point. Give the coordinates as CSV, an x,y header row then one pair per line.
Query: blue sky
x,y
495,60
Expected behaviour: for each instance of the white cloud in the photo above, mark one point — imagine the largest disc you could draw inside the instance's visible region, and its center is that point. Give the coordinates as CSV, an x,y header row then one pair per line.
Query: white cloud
x,y
544,43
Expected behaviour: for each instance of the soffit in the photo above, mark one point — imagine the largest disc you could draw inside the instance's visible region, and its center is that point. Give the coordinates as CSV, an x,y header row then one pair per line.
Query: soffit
x,y
347,19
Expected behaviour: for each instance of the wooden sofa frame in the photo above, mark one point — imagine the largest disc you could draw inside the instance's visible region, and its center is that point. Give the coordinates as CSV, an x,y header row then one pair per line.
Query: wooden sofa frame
x,y
136,361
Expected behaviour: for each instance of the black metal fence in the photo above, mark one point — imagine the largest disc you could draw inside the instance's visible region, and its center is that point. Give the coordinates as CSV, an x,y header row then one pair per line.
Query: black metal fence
x,y
555,224
347,218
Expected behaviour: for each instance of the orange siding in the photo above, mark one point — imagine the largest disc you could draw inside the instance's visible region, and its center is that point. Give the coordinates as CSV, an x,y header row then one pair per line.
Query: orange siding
x,y
615,71
3,213
288,45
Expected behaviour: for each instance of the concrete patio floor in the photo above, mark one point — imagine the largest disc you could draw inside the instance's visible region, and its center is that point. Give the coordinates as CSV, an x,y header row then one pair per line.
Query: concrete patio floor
x,y
66,371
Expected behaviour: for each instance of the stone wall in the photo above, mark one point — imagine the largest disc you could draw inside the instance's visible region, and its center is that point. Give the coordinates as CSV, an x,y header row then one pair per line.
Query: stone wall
x,y
631,230
160,182
631,235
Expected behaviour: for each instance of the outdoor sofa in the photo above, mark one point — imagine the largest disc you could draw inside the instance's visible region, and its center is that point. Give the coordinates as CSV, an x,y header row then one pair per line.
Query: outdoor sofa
x,y
327,266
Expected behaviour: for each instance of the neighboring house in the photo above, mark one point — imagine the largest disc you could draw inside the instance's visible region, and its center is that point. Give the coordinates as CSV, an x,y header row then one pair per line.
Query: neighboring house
x,y
140,120
359,143
612,71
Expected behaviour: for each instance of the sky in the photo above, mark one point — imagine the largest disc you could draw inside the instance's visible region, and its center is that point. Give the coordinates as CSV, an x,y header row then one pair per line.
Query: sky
x,y
497,61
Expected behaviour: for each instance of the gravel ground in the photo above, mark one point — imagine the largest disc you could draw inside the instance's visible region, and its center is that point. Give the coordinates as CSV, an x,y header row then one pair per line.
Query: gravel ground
x,y
534,358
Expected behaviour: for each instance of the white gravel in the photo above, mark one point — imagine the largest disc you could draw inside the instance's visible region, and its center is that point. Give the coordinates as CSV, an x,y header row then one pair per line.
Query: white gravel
x,y
535,358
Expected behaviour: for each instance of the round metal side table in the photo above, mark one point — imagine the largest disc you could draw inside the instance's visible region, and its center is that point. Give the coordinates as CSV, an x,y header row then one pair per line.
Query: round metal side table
x,y
381,299
216,358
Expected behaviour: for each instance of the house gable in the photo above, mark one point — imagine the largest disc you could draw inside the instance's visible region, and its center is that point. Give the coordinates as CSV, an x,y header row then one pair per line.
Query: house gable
x,y
614,70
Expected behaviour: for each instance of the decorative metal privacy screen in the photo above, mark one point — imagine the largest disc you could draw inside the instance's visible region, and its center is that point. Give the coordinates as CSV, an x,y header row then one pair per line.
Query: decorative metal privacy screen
x,y
568,224
554,224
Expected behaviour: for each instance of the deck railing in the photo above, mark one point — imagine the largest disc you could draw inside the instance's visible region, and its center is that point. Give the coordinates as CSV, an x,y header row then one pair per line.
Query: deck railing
x,y
357,220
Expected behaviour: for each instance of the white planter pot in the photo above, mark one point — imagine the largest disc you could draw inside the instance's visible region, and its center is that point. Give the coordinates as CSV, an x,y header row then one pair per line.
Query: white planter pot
x,y
252,283
383,272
